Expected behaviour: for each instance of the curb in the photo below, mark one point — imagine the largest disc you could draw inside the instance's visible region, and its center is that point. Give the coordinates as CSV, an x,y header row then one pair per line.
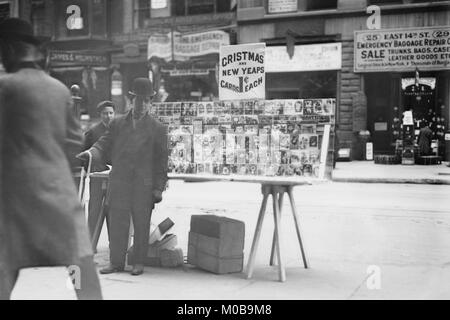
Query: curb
x,y
393,181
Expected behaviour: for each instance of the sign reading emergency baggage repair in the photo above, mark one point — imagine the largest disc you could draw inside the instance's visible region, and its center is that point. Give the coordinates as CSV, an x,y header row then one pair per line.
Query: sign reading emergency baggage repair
x,y
242,72
402,49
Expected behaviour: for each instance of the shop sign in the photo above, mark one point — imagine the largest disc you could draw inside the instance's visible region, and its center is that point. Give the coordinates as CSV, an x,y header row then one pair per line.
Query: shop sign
x,y
311,57
402,49
280,6
131,50
369,151
242,72
77,58
188,72
178,47
408,118
159,4
380,126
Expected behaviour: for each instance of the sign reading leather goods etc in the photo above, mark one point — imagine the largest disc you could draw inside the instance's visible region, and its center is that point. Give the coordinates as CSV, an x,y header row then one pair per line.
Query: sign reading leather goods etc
x,y
426,48
278,6
242,72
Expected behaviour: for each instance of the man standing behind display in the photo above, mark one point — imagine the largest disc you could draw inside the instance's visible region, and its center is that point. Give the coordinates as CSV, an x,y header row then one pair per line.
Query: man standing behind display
x,y
106,110
136,143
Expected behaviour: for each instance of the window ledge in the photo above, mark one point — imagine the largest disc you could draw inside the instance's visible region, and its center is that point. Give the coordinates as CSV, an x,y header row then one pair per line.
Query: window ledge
x,y
315,13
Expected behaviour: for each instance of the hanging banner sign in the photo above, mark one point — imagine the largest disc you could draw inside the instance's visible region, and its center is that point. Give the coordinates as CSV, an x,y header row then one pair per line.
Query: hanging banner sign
x,y
178,47
402,49
310,57
242,72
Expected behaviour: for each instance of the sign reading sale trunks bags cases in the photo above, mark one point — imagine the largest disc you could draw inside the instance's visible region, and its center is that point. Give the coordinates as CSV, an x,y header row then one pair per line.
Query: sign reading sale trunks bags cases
x,y
242,72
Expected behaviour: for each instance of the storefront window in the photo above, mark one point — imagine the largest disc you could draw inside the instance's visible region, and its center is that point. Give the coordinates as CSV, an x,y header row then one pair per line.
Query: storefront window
x,y
301,85
377,2
321,5
76,22
194,7
5,10
141,12
98,18
81,18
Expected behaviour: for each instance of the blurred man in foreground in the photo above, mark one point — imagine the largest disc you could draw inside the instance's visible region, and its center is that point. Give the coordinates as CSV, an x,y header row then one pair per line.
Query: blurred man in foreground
x,y
41,220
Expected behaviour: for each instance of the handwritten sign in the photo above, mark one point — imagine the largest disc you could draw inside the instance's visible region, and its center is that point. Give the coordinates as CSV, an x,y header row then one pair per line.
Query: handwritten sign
x,y
242,72
402,49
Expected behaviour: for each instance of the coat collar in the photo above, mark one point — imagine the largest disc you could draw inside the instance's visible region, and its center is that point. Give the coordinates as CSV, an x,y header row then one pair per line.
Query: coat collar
x,y
130,115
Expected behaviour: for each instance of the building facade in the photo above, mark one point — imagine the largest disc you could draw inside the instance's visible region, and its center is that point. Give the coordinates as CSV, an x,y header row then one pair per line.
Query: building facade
x,y
380,74
148,27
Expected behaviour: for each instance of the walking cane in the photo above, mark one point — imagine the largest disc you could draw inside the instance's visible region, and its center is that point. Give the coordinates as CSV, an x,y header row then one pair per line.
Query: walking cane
x,y
84,191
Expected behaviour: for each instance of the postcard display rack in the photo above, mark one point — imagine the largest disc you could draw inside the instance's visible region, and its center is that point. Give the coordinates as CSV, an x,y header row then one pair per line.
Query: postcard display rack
x,y
281,138
279,144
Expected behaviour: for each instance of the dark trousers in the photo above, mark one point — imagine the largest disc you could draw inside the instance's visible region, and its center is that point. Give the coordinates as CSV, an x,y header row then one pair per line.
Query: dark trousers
x,y
119,232
97,197
89,283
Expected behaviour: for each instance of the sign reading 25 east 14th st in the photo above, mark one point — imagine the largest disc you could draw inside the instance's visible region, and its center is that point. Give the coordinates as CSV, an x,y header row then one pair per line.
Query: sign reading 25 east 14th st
x,y
402,49
242,72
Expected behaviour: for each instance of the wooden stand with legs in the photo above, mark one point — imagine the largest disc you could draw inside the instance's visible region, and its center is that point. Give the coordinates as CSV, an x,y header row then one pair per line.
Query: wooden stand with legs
x,y
277,192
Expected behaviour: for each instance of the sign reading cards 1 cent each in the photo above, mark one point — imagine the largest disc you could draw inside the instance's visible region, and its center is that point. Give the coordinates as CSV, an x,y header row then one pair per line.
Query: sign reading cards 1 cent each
x,y
242,72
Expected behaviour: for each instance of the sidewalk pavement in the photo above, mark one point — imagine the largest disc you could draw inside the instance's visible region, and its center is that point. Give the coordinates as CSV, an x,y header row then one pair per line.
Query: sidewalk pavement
x,y
347,229
369,172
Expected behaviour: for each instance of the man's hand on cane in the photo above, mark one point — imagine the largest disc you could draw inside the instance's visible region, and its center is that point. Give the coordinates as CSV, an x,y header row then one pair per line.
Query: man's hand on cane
x,y
85,157
157,196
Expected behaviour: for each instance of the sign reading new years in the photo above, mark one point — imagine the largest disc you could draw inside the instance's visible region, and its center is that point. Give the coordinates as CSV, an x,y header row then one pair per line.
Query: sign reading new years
x,y
242,72
402,49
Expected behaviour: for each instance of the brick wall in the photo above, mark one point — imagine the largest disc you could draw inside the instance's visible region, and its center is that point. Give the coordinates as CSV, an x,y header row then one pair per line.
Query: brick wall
x,y
350,84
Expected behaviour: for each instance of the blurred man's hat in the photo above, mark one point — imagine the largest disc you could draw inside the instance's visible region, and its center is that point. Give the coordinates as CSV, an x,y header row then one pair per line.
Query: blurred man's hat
x,y
142,87
105,104
18,30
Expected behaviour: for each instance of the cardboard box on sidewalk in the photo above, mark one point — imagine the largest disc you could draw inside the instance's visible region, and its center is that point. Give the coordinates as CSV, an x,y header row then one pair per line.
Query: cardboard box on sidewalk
x,y
171,258
215,264
216,244
153,258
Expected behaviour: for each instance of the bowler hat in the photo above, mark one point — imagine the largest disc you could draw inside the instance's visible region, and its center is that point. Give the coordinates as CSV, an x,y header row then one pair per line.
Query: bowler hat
x,y
142,87
18,30
105,104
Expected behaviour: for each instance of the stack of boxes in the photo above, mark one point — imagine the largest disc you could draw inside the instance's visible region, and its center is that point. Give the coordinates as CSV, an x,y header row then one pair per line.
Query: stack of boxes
x,y
162,250
216,244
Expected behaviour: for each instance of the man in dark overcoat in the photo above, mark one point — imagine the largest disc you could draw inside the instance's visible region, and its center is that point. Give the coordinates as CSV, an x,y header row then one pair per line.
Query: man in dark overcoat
x,y
41,219
136,143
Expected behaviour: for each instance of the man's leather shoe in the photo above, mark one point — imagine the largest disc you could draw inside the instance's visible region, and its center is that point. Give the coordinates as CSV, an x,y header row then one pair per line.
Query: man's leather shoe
x,y
111,269
137,270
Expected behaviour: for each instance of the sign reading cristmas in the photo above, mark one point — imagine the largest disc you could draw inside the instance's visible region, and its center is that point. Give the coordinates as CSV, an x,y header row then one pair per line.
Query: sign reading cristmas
x,y
242,72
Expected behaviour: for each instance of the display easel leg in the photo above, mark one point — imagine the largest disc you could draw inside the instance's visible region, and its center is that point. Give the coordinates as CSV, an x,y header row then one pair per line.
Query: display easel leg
x,y
251,260
297,227
272,254
276,212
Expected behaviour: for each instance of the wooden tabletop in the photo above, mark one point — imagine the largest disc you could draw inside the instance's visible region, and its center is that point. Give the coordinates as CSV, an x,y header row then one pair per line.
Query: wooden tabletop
x,y
285,181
